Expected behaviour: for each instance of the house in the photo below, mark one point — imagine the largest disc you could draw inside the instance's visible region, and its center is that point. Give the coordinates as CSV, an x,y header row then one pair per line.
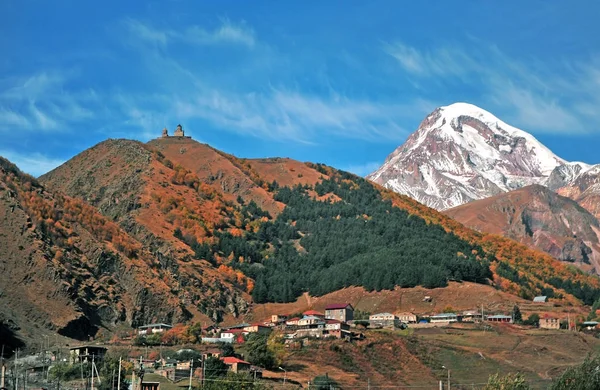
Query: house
x,y
153,328
471,316
342,312
278,318
292,321
443,317
257,328
336,325
238,326
236,365
313,313
86,353
382,317
549,323
499,318
589,325
408,318
540,299
311,322
184,365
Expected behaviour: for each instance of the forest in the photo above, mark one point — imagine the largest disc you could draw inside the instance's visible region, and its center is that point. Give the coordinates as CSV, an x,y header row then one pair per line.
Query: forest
x,y
320,246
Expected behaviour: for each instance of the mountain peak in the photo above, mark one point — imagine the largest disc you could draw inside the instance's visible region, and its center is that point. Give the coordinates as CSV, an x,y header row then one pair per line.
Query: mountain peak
x,y
460,153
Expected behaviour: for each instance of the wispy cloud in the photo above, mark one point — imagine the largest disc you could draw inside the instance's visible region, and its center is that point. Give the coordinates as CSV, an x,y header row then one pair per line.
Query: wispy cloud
x,y
39,102
534,95
275,112
226,33
35,164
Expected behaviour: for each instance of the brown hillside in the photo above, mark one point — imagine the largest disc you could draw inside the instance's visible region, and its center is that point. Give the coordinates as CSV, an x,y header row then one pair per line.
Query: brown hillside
x,y
539,218
67,268
177,185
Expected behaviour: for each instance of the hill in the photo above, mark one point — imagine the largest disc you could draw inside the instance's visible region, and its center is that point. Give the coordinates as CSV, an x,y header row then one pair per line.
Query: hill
x,y
68,269
224,228
539,218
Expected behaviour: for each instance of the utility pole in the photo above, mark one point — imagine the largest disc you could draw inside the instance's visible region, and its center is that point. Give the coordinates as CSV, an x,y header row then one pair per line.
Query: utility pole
x,y
448,379
16,370
119,376
191,370
2,368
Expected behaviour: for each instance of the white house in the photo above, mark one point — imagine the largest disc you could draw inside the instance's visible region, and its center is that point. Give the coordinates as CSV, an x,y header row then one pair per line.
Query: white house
x,y
382,317
443,317
153,328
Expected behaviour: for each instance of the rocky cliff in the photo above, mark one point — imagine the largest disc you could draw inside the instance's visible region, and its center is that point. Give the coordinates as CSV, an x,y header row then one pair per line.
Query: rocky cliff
x,y
538,217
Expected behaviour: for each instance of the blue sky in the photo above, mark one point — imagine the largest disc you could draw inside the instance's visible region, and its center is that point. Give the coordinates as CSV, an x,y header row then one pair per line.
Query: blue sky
x,y
342,83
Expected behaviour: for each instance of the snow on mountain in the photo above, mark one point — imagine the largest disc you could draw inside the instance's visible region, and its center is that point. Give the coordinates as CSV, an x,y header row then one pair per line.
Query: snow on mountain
x,y
461,153
565,174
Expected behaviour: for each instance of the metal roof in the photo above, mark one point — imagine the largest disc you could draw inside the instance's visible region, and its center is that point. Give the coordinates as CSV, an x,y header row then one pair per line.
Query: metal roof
x,y
154,326
541,298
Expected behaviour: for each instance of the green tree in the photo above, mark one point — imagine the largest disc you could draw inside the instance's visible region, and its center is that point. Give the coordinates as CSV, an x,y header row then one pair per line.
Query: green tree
x,y
241,381
323,382
227,350
585,376
532,320
507,382
258,353
516,314
215,368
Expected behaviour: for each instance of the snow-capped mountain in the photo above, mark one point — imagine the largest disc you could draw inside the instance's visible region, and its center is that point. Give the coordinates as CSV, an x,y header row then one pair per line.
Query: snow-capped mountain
x,y
584,188
462,153
564,174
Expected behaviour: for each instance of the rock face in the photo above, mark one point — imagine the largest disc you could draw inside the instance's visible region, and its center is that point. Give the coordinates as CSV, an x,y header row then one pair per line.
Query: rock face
x,y
584,188
540,218
68,269
462,153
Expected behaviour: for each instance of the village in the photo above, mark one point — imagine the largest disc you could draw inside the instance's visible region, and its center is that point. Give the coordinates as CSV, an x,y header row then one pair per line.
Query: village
x,y
150,365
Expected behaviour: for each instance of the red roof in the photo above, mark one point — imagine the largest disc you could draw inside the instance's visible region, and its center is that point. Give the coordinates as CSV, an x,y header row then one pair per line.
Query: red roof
x,y
313,313
232,360
293,319
337,306
234,331
333,321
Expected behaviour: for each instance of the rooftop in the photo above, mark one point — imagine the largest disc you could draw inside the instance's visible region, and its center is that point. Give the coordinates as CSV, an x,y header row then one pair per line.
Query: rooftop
x,y
155,326
232,360
541,298
338,306
313,313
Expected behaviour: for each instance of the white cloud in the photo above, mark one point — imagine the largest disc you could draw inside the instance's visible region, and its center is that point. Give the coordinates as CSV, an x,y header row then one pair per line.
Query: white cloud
x,y
533,95
283,114
147,33
35,164
226,33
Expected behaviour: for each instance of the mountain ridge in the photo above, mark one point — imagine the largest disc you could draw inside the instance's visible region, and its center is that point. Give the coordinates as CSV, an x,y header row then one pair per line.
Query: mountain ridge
x,y
538,217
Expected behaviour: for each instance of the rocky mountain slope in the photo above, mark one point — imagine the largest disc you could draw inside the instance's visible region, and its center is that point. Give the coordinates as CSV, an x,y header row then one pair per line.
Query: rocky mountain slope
x,y
462,153
538,217
584,188
68,269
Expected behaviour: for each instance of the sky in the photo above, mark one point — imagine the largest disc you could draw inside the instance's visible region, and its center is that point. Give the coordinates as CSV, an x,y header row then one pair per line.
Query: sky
x,y
338,82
